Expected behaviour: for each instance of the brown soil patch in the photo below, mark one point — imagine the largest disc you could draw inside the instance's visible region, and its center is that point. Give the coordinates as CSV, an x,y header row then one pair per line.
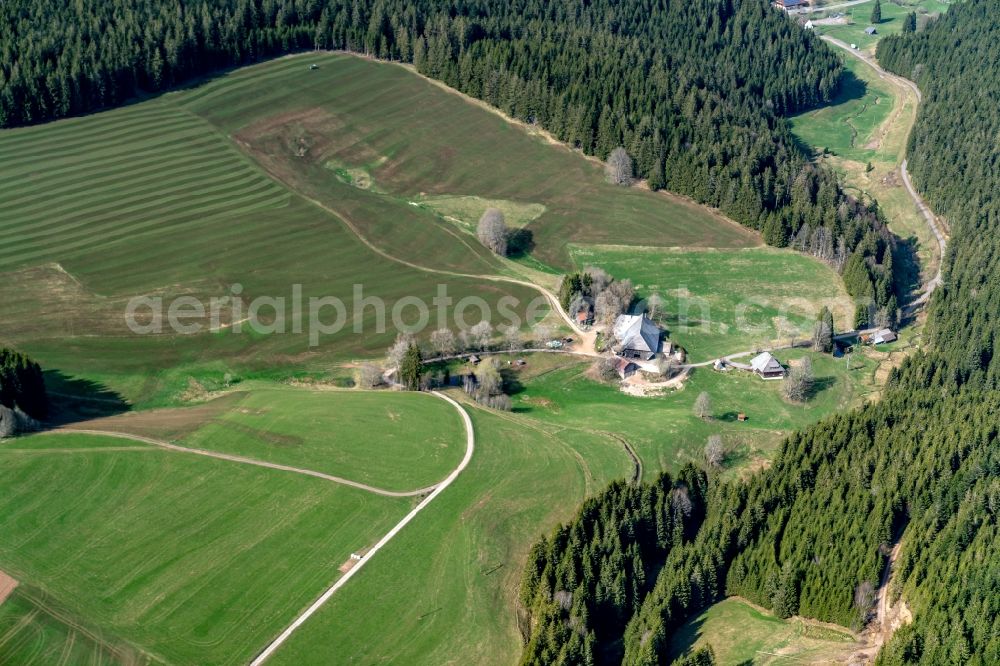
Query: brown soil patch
x,y
7,585
169,423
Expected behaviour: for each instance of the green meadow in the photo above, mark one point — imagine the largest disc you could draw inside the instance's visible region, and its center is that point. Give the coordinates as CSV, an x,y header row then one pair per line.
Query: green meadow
x,y
394,441
849,125
445,589
741,633
170,551
720,302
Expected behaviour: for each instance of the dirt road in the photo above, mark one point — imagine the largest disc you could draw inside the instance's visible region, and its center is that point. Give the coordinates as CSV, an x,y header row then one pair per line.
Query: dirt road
x,y
470,440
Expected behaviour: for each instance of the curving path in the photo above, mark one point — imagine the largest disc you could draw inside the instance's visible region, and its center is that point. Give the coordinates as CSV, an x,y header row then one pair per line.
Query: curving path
x,y
470,439
918,201
243,460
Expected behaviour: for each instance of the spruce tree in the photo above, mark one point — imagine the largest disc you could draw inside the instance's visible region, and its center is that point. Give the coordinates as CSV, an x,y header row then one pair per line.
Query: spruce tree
x,y
877,13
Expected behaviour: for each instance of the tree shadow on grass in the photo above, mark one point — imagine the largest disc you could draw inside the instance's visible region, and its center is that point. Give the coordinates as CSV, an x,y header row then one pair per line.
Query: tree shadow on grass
x,y
74,399
520,243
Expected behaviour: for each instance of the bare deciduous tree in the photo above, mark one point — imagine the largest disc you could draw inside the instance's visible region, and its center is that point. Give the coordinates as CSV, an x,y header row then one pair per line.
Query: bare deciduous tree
x,y
703,405
655,306
394,358
369,375
481,334
798,385
599,279
542,333
443,341
618,168
715,452
613,301
512,339
492,231
605,370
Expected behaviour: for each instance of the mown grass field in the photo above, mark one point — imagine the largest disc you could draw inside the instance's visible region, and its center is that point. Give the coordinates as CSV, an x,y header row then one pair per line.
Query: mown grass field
x,y
664,429
417,140
741,634
394,441
445,590
33,632
191,558
720,302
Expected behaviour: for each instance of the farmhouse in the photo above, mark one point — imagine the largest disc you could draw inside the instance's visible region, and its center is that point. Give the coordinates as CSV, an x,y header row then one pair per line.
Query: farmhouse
x,y
637,336
625,368
789,4
767,367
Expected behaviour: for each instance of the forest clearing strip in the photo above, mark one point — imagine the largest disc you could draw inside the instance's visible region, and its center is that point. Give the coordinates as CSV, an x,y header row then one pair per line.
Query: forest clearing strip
x,y
470,439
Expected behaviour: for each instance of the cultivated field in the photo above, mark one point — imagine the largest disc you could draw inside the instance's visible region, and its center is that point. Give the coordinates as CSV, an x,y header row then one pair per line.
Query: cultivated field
x,y
720,302
741,633
413,140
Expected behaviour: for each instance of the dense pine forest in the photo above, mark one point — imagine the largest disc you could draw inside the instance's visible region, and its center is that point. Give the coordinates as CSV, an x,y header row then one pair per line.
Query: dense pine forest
x,y
695,91
811,534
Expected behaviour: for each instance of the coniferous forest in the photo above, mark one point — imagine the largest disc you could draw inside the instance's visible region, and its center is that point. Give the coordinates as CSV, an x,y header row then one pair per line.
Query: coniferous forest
x,y
695,91
921,467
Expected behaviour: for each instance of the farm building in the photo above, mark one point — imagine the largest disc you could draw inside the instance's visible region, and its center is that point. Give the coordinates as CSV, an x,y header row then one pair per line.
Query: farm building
x,y
767,367
884,335
638,336
584,317
809,25
871,30
625,368
789,4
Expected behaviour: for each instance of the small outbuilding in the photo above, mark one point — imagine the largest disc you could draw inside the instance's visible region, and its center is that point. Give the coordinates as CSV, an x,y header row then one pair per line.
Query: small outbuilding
x,y
625,368
765,366
474,359
870,30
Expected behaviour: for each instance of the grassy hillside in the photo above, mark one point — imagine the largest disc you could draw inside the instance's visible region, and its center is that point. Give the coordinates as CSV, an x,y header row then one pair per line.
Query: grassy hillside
x,y
168,550
741,633
444,591
394,441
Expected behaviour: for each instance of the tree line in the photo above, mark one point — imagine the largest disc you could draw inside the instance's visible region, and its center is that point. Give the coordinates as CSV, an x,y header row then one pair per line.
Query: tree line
x,y
811,534
693,94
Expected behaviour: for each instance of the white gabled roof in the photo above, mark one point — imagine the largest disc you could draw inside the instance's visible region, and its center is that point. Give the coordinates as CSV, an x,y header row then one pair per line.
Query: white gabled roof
x,y
764,362
637,332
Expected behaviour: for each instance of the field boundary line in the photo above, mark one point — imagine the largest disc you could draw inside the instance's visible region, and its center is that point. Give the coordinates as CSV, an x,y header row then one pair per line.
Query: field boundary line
x,y
470,439
247,461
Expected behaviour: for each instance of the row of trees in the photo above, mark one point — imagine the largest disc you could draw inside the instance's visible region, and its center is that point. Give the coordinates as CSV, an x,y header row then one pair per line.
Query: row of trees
x,y
810,534
594,291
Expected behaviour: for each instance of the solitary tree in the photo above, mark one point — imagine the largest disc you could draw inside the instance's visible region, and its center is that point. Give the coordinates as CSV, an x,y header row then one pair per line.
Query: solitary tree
x,y
618,168
481,334
409,369
443,341
492,231
910,22
703,406
799,383
369,375
877,12
512,338
394,358
714,451
655,306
